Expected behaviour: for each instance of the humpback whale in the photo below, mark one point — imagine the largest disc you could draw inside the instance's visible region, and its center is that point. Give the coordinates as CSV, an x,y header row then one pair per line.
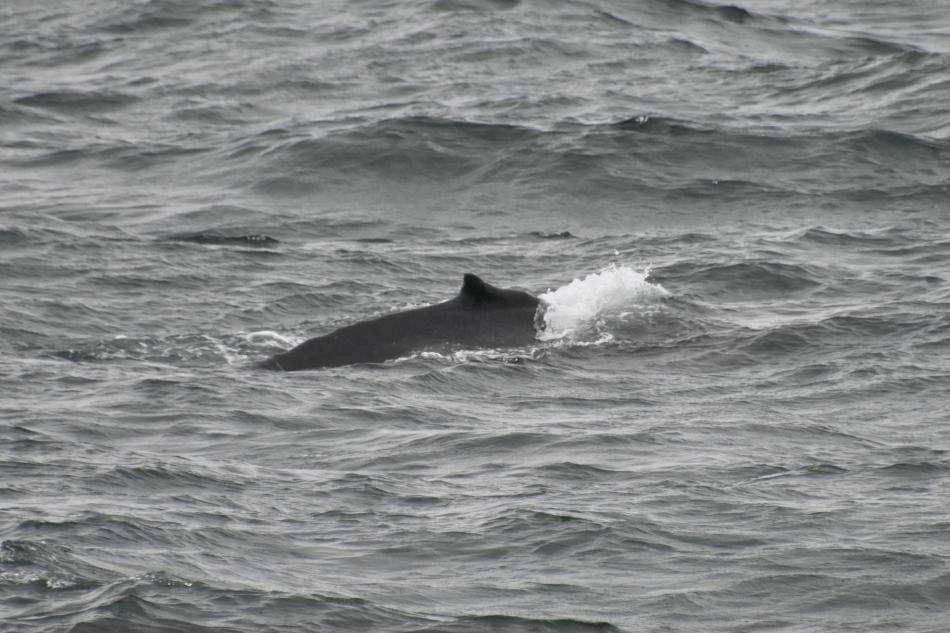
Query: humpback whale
x,y
481,315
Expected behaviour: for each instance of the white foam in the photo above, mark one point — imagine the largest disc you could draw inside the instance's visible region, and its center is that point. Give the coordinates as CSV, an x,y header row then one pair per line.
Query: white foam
x,y
580,306
270,338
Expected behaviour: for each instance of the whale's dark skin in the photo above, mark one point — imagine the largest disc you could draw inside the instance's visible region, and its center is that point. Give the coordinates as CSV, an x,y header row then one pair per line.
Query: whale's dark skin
x,y
480,315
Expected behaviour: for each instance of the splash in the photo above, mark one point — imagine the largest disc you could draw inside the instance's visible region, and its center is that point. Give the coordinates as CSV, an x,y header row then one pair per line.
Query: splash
x,y
583,306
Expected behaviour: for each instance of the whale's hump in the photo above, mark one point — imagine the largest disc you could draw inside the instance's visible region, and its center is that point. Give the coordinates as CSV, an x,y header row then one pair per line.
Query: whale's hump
x,y
481,315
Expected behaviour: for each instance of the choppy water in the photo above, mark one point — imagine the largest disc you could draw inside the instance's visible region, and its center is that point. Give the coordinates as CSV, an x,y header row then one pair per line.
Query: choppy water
x,y
735,420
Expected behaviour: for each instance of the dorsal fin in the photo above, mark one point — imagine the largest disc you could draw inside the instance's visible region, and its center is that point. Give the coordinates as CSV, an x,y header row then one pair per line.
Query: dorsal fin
x,y
476,290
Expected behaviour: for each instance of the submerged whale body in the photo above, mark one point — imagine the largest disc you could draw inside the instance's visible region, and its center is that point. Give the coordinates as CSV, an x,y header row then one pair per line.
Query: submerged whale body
x,y
480,315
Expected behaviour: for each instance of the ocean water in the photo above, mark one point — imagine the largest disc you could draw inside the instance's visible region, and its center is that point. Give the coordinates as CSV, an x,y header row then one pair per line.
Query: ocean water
x,y
735,416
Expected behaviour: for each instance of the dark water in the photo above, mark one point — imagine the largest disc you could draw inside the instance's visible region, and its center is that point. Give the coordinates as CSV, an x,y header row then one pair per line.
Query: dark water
x,y
735,420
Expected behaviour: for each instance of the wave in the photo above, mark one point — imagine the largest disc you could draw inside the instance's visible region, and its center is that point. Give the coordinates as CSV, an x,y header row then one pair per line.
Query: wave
x,y
680,157
48,51
413,146
163,15
851,333
889,237
482,5
687,159
219,238
748,279
164,476
36,567
124,156
519,624
13,115
916,470
74,101
12,236
768,33
695,8
158,602
876,141
193,350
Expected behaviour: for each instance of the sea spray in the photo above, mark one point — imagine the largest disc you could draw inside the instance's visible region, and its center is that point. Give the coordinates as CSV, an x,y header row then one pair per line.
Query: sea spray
x,y
581,306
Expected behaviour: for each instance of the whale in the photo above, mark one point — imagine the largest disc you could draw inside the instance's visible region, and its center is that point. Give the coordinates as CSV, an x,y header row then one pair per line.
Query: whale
x,y
479,316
